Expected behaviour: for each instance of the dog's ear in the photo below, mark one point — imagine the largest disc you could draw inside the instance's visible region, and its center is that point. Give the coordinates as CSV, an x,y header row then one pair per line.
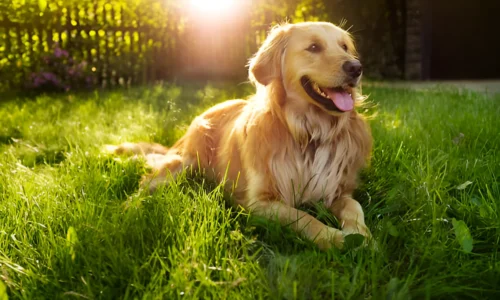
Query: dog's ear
x,y
265,66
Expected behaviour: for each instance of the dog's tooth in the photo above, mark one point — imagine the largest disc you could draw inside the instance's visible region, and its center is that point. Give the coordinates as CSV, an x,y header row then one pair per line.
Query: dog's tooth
x,y
317,89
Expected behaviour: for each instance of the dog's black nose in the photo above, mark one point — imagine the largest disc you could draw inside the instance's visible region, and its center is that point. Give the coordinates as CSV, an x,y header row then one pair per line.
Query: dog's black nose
x,y
353,68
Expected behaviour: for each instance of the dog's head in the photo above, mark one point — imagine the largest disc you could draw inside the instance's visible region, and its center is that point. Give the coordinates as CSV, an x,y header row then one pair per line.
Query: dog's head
x,y
315,61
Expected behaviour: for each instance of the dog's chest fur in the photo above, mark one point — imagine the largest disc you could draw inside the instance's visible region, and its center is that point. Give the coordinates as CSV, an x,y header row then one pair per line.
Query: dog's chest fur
x,y
319,167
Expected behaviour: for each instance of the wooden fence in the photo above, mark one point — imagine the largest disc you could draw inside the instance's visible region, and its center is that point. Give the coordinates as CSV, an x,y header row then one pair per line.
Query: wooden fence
x,y
138,41
117,45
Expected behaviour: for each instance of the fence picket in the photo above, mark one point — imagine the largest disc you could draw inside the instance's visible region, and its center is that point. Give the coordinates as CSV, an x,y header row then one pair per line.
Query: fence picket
x,y
122,47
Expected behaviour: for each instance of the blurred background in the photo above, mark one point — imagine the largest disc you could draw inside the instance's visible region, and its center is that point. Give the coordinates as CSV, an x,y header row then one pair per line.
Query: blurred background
x,y
67,45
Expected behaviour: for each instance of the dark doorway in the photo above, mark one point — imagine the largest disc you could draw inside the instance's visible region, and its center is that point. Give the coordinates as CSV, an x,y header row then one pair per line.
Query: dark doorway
x,y
464,39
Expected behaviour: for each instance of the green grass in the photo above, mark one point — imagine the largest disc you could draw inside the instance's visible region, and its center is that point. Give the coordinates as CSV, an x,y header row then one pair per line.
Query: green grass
x,y
72,224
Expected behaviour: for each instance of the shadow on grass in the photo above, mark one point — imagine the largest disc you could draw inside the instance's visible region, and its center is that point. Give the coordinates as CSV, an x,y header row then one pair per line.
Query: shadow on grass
x,y
9,137
46,157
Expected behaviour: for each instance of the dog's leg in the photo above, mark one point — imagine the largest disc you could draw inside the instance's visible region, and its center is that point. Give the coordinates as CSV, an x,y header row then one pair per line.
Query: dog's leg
x,y
301,222
164,163
351,216
164,169
142,149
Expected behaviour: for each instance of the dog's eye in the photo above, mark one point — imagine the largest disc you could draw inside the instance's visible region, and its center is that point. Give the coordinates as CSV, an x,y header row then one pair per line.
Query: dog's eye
x,y
344,46
314,48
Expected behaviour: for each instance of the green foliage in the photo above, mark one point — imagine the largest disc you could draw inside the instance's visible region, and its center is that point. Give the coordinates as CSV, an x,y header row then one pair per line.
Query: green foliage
x,y
463,235
42,4
73,222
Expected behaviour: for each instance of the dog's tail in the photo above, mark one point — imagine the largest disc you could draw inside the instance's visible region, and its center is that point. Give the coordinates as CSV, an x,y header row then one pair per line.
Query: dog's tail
x,y
140,149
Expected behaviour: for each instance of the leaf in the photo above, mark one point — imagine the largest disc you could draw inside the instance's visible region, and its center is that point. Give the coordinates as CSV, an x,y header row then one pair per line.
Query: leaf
x,y
464,185
71,241
463,235
42,4
3,291
392,229
476,201
484,212
353,241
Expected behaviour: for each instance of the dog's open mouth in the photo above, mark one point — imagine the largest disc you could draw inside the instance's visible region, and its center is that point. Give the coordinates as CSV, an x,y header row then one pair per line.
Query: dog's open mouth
x,y
332,98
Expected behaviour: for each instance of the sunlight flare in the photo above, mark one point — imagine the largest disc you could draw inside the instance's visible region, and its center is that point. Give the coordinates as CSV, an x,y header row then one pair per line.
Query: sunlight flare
x,y
213,6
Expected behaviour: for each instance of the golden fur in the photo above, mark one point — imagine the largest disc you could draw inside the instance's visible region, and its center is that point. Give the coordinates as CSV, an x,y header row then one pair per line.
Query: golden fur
x,y
280,148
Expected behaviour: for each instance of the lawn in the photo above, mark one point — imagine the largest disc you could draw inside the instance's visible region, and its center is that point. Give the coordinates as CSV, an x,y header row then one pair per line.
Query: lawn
x,y
72,224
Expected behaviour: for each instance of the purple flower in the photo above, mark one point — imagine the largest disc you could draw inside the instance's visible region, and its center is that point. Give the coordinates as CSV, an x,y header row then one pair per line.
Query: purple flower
x,y
58,52
49,76
38,81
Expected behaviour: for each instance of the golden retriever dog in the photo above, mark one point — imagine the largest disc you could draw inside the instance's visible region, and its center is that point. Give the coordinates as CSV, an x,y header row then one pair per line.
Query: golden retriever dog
x,y
298,140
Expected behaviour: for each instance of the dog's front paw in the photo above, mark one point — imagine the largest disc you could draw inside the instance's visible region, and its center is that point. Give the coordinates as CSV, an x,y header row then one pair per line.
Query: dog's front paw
x,y
151,183
329,237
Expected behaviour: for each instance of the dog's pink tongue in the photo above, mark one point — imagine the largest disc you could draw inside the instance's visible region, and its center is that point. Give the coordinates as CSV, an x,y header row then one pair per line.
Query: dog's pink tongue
x,y
342,100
